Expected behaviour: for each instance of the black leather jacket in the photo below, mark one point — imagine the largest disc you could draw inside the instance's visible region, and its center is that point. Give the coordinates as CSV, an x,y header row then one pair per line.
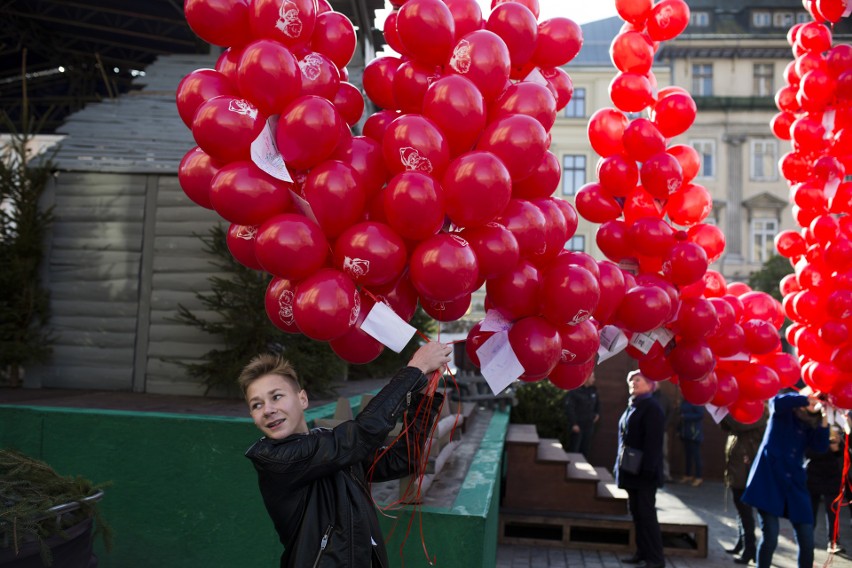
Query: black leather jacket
x,y
314,488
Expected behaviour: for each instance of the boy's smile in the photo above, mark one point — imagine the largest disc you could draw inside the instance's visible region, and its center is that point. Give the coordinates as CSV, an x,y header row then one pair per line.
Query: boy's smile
x,y
276,408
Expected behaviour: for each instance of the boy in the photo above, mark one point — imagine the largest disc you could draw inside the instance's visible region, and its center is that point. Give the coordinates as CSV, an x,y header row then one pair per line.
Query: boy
x,y
313,481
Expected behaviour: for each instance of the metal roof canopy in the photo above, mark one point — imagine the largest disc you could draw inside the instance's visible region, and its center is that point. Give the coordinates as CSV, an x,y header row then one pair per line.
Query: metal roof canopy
x,y
100,44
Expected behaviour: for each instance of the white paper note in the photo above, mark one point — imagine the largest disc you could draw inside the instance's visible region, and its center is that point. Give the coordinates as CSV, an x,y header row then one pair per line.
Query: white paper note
x,y
642,341
386,327
303,206
716,412
499,364
265,154
495,321
613,342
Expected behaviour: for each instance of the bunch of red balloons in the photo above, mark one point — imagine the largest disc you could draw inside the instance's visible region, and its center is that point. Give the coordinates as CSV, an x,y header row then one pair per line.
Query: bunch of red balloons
x,y
448,189
816,117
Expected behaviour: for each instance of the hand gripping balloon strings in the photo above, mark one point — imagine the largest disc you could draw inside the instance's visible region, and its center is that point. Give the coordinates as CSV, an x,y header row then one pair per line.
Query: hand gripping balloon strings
x,y
418,436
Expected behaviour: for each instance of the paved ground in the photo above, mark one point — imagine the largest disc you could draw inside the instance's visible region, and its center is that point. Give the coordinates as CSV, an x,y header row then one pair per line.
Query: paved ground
x,y
709,501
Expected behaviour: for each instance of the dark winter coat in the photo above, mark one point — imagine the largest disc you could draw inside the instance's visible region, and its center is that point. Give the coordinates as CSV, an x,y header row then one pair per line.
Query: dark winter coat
x,y
777,482
641,426
582,405
741,448
691,426
825,471
314,488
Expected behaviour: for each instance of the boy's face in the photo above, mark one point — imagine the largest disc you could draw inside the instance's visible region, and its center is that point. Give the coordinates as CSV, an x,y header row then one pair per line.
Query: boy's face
x,y
277,409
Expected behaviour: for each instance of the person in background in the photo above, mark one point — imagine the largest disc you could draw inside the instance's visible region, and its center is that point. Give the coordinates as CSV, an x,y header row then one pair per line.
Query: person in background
x,y
825,475
313,482
691,434
641,428
582,411
777,482
741,445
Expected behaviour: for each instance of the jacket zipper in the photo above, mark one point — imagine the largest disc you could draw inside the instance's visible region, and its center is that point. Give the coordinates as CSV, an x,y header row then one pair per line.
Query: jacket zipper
x,y
323,544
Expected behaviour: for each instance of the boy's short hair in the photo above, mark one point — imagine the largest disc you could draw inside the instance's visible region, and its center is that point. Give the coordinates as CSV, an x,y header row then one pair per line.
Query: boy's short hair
x,y
268,364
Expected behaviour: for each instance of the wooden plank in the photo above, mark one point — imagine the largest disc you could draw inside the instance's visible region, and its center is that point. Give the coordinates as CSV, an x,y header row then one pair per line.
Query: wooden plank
x,y
179,333
180,244
175,282
168,300
101,339
65,257
97,244
165,317
113,271
75,307
193,223
106,231
119,358
122,290
140,357
199,262
167,349
80,376
106,323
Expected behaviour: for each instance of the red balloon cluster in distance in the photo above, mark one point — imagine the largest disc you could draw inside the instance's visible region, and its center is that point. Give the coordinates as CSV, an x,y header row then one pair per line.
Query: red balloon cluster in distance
x,y
718,342
449,187
815,115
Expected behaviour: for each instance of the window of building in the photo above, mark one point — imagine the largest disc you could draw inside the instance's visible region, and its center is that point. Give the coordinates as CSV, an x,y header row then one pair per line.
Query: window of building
x,y
577,243
802,17
699,19
764,158
763,231
576,107
764,79
702,79
761,19
782,19
573,173
707,157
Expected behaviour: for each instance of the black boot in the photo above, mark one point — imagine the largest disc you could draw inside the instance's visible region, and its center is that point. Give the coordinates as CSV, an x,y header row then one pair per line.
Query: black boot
x,y
736,549
746,557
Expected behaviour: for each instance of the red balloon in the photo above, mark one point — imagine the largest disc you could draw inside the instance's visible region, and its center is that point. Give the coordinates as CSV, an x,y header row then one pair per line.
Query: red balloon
x,y
612,287
516,292
696,318
674,114
651,236
370,253
477,187
195,173
225,126
668,19
482,57
536,344
467,16
700,391
336,199
631,92
570,215
594,205
266,62
555,230
414,205
785,365
527,223
559,41
560,84
410,83
632,52
391,35
841,395
414,143
320,76
580,342
605,130
365,156
446,311
727,341
613,240
334,37
758,382
326,305
790,244
727,389
241,240
519,141
220,22
243,194
377,124
278,302
691,360
378,81
457,107
568,377
710,238
290,22
661,175
199,86
686,264
291,246
444,268
527,98
760,336
690,205
642,140
349,103
228,63
427,31
495,246
644,308
517,27
746,411
617,174
308,132
357,346
569,293
542,181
